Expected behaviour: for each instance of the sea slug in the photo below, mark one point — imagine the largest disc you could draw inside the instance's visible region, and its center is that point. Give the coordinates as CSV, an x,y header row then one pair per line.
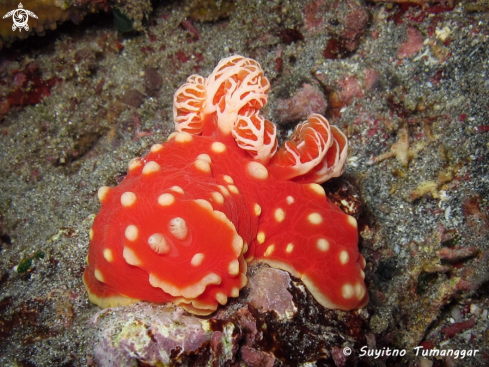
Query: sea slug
x,y
190,216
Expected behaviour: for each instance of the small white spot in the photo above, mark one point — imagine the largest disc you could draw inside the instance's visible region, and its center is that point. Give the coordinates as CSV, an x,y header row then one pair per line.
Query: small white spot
x,y
217,197
132,233
128,199
228,179
260,237
177,189
223,190
204,204
289,248
318,189
197,259
151,167
290,200
243,279
363,262
322,244
178,228
102,193
237,244
270,249
359,291
108,255
362,274
202,166
218,147
233,267
347,291
98,275
352,221
344,257
257,170
257,209
166,199
279,215
315,218
235,292
183,137
172,135
221,298
134,163
90,234
156,148
233,189
204,157
130,256
158,244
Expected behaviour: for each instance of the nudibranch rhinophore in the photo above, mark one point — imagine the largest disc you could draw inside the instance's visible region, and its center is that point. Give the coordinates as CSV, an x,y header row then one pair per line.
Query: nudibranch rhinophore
x,y
190,216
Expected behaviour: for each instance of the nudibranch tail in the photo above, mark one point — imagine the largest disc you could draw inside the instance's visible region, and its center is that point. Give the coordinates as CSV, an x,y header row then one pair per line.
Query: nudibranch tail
x,y
189,216
316,243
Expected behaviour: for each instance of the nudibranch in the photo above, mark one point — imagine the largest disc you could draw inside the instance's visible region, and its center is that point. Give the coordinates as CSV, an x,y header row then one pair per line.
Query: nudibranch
x,y
190,216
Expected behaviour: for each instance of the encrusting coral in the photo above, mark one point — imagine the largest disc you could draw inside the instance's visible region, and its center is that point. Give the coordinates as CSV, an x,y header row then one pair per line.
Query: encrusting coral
x,y
190,216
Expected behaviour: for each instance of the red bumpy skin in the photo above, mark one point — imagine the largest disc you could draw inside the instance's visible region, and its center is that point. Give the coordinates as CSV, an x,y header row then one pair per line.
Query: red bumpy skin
x,y
190,216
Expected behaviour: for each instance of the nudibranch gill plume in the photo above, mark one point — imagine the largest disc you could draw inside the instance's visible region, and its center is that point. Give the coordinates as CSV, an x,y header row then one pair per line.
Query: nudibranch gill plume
x,y
191,215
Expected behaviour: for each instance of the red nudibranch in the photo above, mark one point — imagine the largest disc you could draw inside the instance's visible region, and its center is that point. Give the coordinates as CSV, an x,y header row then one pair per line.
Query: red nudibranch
x,y
192,214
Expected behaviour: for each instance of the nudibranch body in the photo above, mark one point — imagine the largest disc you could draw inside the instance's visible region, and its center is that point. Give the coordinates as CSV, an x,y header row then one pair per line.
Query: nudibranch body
x,y
191,215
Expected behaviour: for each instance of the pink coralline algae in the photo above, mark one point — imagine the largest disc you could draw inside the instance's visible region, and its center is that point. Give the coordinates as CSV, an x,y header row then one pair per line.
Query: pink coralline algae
x,y
274,323
26,88
189,217
158,336
306,101
412,45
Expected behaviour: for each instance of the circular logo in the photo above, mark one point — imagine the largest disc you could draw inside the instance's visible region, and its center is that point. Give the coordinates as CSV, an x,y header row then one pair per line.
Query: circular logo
x,y
20,17
346,351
